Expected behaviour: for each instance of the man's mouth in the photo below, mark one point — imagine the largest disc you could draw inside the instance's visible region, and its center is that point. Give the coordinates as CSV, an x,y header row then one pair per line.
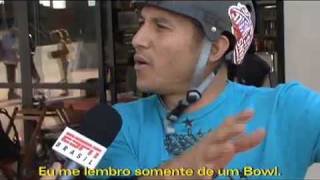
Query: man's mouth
x,y
140,62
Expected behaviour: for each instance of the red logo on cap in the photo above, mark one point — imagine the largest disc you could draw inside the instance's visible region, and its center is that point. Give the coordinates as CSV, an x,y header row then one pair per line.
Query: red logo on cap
x,y
242,28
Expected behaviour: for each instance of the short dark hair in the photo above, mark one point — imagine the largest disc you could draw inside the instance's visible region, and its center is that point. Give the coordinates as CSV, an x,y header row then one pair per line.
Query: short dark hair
x,y
249,8
232,40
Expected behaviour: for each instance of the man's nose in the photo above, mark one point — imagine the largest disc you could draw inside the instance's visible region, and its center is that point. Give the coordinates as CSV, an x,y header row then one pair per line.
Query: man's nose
x,y
142,38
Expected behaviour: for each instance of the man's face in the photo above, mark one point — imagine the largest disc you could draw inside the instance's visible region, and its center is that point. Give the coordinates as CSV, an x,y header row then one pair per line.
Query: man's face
x,y
167,49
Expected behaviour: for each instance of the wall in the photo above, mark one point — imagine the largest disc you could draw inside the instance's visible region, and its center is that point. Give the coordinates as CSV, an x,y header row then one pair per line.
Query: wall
x,y
302,48
302,42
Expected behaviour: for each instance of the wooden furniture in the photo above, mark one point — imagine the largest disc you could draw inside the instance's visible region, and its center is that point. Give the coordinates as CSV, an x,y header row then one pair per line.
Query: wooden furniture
x,y
7,163
34,117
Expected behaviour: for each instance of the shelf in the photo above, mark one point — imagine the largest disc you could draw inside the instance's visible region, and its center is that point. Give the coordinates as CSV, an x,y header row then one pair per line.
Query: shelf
x,y
269,36
266,36
264,2
269,19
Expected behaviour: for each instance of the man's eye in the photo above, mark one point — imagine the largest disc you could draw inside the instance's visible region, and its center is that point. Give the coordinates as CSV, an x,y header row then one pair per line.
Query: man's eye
x,y
161,26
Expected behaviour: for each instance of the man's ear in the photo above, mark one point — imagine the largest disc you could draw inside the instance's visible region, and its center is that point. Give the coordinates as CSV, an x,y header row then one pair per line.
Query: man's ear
x,y
219,48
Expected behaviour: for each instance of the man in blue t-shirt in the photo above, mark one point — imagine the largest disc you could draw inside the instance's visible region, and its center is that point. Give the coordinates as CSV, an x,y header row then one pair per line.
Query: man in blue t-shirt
x,y
197,118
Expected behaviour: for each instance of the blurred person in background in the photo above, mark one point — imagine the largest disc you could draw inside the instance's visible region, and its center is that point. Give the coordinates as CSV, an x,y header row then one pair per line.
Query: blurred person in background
x,y
61,38
9,55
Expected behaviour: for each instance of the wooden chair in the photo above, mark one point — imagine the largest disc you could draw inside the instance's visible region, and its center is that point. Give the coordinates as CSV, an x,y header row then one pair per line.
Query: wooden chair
x,y
63,112
34,117
11,145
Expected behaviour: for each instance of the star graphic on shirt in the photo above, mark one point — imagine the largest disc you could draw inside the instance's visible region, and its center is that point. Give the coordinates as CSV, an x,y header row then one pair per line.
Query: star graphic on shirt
x,y
188,123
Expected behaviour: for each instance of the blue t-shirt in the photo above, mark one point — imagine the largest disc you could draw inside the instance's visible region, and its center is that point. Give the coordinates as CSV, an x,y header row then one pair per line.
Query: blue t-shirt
x,y
290,114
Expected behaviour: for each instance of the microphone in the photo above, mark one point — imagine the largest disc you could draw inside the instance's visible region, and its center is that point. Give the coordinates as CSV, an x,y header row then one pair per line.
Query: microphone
x,y
85,148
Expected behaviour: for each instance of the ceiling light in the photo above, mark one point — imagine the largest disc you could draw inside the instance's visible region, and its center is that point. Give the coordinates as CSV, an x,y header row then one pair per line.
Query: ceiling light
x,y
45,3
59,4
91,2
